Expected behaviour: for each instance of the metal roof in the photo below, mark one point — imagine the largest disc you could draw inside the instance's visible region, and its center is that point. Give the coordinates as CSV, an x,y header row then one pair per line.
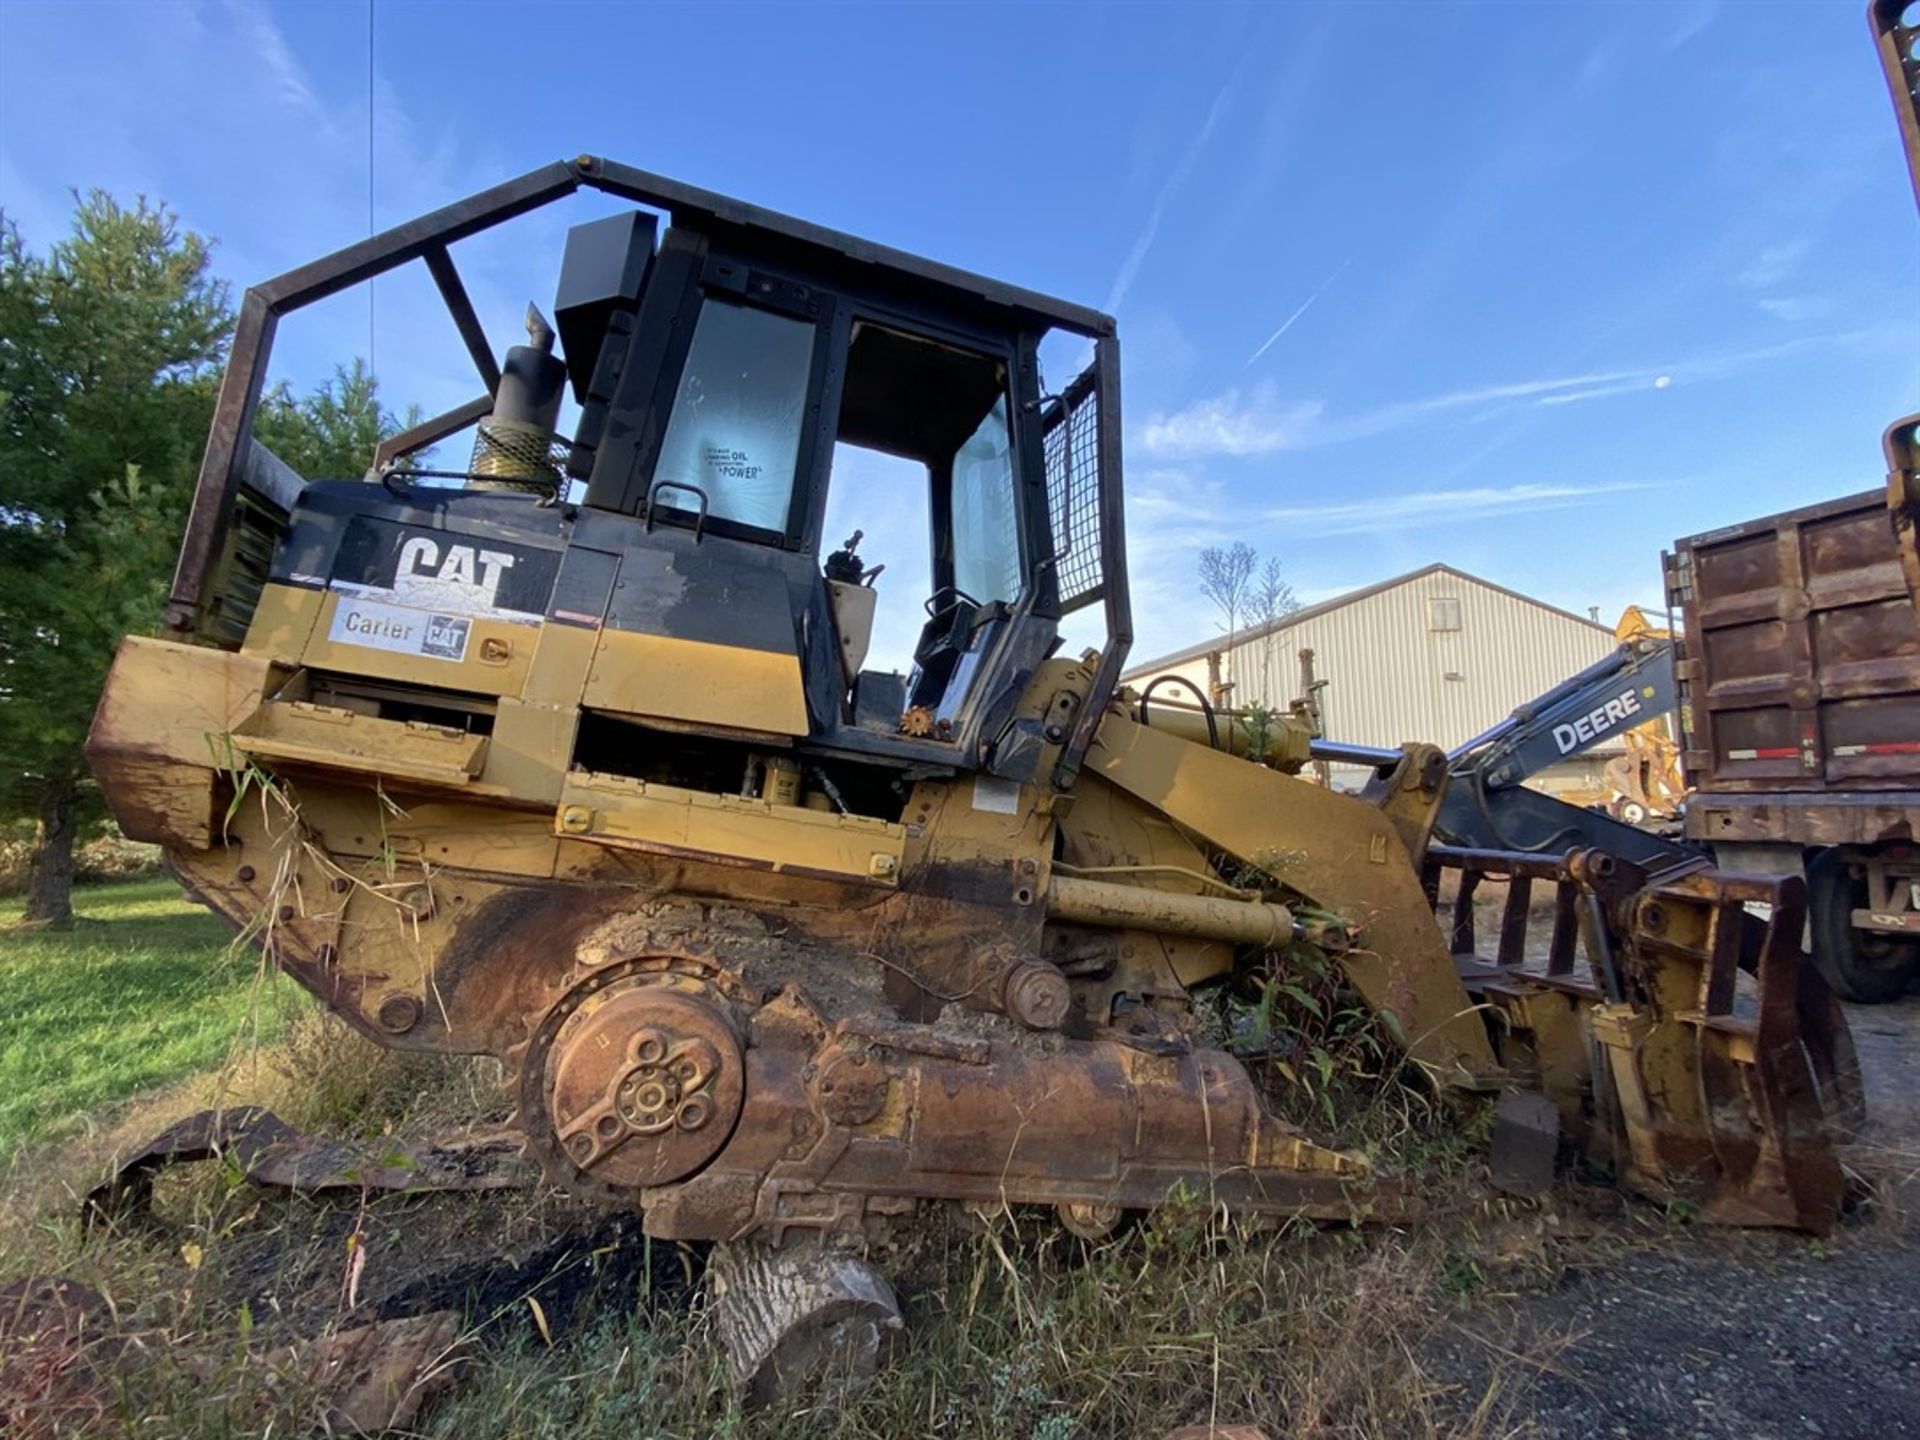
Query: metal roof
x,y
1339,602
706,209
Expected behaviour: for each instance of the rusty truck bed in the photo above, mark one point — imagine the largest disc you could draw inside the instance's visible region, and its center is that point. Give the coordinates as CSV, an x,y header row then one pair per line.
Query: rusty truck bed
x,y
1799,674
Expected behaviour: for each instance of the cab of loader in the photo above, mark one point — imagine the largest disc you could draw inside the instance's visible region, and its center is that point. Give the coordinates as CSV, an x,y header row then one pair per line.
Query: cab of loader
x,y
748,371
670,554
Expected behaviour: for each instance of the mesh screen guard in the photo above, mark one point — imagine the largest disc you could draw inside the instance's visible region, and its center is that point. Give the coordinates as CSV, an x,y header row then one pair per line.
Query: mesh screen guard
x,y
1072,436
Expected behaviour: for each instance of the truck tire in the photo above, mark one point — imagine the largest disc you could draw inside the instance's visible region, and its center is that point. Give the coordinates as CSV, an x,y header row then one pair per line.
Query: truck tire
x,y
1859,965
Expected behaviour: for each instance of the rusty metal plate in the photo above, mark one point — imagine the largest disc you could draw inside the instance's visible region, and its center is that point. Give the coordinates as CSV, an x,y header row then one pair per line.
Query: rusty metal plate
x,y
1800,664
270,1152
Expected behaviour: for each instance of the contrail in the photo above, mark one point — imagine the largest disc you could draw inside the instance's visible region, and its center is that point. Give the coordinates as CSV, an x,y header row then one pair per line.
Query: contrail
x,y
1306,305
1143,242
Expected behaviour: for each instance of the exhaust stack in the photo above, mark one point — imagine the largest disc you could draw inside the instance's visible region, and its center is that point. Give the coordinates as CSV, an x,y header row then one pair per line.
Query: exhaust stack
x,y
515,447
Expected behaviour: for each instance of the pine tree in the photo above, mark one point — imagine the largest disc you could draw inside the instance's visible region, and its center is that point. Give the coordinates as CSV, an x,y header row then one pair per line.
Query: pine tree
x,y
110,346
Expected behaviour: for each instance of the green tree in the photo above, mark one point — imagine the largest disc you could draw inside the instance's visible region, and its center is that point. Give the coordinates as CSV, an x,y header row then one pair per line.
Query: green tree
x,y
330,434
110,350
110,346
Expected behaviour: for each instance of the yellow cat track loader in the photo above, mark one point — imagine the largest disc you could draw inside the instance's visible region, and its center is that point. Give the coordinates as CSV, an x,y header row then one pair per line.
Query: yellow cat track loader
x,y
571,754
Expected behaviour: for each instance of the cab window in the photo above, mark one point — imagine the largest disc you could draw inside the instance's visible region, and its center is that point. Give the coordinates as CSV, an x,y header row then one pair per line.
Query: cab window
x,y
986,537
946,408
737,417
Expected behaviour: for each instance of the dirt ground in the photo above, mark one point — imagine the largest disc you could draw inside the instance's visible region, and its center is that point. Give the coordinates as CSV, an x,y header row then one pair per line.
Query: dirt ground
x,y
1888,1039
1737,1334
1725,1335
1619,1324
1742,1334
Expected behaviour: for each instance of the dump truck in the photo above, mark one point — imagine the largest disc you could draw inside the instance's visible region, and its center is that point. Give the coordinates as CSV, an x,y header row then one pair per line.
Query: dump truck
x,y
570,755
1799,680
1799,677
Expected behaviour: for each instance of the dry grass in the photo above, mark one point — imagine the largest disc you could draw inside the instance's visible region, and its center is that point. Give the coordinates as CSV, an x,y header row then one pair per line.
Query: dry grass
x,y
175,1280
1020,1331
318,1075
1017,1331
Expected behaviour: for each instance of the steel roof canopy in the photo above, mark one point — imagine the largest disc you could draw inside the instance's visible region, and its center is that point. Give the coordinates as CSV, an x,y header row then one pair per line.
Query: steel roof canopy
x,y
427,239
704,210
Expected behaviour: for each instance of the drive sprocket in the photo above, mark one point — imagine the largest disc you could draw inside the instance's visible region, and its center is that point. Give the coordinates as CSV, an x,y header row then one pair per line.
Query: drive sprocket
x,y
634,1077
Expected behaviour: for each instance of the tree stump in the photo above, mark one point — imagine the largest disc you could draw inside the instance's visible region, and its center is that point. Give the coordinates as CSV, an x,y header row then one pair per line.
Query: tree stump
x,y
801,1316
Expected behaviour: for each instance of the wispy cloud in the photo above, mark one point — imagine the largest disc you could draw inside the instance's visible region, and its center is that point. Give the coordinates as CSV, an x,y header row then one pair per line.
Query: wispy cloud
x,y
1793,308
1259,423
289,80
1289,86
1688,21
1304,306
1172,514
1638,385
299,135
1430,508
1774,265
1481,397
1175,511
1775,279
1262,421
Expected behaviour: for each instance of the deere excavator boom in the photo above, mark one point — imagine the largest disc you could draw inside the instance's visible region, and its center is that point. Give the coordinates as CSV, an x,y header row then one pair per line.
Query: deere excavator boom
x,y
1488,803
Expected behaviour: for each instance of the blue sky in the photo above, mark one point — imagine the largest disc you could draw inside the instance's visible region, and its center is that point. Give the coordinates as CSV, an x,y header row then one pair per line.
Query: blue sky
x,y
1529,289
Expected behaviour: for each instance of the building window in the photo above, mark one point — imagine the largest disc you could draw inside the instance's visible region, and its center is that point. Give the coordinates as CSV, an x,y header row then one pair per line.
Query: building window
x,y
1443,613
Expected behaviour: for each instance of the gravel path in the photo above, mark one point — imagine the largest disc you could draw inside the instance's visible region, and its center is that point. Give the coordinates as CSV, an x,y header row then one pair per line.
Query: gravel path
x,y
1754,1337
1745,1335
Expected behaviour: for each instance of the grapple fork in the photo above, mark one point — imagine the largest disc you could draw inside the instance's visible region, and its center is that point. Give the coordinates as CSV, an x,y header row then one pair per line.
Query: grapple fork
x,y
1674,1021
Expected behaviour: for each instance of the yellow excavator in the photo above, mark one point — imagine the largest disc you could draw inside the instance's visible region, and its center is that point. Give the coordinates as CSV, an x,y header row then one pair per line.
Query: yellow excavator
x,y
1645,783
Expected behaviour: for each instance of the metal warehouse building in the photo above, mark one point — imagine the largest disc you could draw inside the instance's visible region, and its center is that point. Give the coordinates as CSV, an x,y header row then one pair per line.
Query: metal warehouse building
x,y
1436,655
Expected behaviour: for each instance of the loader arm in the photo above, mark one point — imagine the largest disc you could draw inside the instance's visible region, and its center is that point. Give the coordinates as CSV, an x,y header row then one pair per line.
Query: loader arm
x,y
1488,805
1348,858
1617,1003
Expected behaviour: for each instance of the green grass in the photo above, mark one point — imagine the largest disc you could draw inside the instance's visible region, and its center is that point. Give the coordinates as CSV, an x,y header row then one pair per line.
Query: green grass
x,y
140,992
